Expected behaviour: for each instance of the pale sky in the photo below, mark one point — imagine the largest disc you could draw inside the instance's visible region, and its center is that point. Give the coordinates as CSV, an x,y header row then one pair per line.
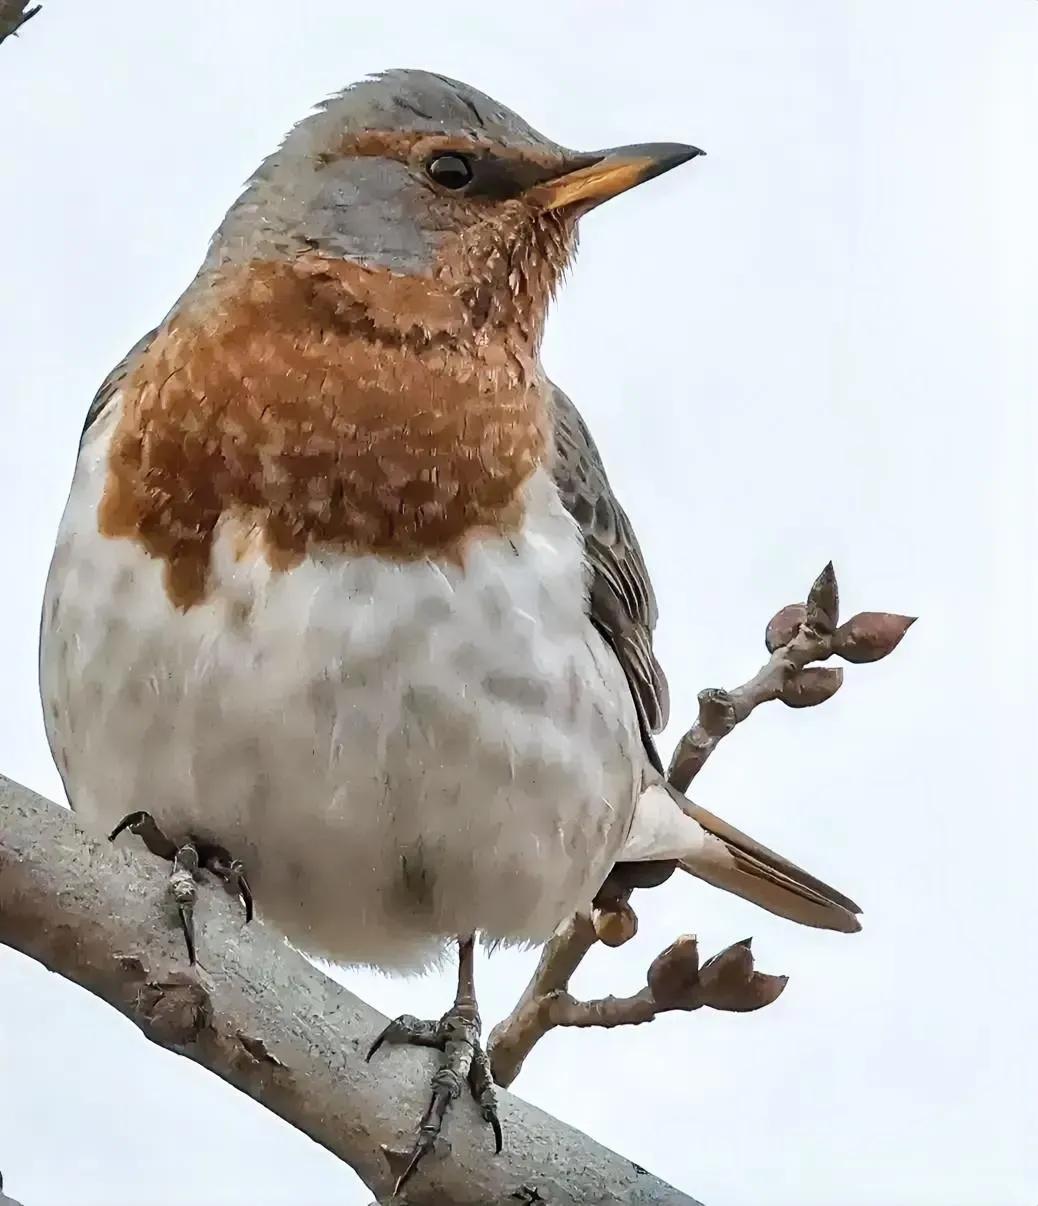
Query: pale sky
x,y
817,342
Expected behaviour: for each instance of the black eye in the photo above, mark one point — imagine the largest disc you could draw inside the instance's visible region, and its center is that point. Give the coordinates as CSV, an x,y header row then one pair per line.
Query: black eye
x,y
450,171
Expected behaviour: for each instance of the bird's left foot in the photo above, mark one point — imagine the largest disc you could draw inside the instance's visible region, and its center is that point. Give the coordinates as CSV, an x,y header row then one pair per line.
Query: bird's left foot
x,y
464,1060
187,858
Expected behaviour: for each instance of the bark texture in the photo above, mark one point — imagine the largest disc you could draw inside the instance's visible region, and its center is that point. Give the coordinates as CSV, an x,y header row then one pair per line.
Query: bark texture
x,y
259,1015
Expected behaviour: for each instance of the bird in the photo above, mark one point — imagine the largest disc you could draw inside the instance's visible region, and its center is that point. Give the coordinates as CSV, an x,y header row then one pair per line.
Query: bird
x,y
342,605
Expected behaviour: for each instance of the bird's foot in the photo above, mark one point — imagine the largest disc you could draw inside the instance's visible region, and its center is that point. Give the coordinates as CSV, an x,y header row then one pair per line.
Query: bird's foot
x,y
187,858
456,1034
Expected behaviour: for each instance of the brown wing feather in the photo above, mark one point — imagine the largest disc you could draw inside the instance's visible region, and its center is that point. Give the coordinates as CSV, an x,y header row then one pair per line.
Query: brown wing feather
x,y
621,599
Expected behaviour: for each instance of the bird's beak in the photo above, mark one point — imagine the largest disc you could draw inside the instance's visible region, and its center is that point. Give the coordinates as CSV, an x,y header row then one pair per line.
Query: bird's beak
x,y
592,179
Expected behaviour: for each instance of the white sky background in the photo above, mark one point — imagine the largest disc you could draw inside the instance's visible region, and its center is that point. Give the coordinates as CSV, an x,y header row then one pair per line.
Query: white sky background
x,y
815,343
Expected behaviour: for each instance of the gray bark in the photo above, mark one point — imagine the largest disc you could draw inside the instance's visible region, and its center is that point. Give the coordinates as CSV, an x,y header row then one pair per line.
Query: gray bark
x,y
259,1015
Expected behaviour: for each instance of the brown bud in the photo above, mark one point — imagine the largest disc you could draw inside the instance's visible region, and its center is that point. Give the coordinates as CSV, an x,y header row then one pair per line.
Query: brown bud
x,y
615,923
783,625
810,687
673,977
726,977
764,989
823,601
870,635
729,982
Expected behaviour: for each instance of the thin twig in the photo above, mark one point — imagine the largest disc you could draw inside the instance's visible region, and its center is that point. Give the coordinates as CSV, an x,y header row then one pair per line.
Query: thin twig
x,y
535,1013
720,710
674,981
796,636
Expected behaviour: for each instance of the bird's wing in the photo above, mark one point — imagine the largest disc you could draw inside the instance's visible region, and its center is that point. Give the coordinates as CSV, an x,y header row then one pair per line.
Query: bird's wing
x,y
110,385
666,825
621,598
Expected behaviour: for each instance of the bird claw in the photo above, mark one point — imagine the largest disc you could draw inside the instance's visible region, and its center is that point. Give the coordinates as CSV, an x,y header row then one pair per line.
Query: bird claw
x,y
456,1034
183,877
231,872
481,1086
402,1162
144,826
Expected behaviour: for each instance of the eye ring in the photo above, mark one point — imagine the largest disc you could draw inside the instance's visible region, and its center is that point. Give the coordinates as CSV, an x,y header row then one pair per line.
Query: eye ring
x,y
449,170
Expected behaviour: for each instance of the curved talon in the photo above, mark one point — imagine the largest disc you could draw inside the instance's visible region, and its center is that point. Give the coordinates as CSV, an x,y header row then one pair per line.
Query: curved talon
x,y
230,872
481,1084
244,891
143,825
187,925
382,1036
410,1030
446,1089
490,1115
128,821
418,1153
402,1164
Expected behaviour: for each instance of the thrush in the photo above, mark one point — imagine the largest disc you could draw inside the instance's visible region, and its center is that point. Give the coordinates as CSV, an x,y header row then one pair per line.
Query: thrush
x,y
342,604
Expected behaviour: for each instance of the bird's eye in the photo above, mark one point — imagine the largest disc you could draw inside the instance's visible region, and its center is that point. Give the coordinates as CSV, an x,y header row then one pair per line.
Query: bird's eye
x,y
450,171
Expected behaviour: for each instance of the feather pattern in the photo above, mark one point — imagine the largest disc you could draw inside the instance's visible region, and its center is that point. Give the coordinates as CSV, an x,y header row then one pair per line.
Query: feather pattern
x,y
622,601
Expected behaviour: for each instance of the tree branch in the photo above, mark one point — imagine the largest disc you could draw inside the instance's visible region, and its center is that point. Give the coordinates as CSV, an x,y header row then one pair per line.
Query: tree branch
x,y
4,1199
795,636
674,981
264,1019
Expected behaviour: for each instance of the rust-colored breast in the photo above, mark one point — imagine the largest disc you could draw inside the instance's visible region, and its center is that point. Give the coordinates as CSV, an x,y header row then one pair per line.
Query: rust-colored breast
x,y
327,406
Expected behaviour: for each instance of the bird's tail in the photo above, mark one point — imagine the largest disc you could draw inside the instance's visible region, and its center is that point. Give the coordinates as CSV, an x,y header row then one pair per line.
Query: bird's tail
x,y
667,825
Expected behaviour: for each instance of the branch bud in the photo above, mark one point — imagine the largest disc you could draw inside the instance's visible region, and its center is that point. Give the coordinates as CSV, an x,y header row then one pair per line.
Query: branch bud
x,y
615,924
810,687
870,635
729,982
673,978
783,625
823,601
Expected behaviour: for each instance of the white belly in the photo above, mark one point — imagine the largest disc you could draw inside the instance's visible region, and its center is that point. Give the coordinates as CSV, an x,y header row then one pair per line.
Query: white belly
x,y
398,753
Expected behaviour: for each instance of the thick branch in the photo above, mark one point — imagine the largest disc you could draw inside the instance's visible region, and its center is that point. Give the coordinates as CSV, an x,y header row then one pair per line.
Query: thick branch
x,y
265,1020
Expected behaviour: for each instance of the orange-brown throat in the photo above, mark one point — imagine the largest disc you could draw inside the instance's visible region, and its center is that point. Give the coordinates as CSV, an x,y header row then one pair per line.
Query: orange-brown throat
x,y
330,408
507,267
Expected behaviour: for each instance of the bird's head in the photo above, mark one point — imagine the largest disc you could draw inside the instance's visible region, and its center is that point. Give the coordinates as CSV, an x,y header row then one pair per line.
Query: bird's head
x,y
425,176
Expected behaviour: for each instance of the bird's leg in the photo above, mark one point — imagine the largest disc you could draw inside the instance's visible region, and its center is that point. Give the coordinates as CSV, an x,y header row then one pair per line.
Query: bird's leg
x,y
183,877
456,1034
184,891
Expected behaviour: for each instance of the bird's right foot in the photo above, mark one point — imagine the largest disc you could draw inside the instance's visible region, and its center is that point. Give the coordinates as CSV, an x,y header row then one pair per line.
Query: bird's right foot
x,y
464,1060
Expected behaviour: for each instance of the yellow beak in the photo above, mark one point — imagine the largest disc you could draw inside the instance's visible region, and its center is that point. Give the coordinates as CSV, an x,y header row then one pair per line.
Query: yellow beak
x,y
606,174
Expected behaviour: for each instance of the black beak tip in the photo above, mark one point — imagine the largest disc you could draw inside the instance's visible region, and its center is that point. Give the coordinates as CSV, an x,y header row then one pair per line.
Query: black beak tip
x,y
685,153
668,156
